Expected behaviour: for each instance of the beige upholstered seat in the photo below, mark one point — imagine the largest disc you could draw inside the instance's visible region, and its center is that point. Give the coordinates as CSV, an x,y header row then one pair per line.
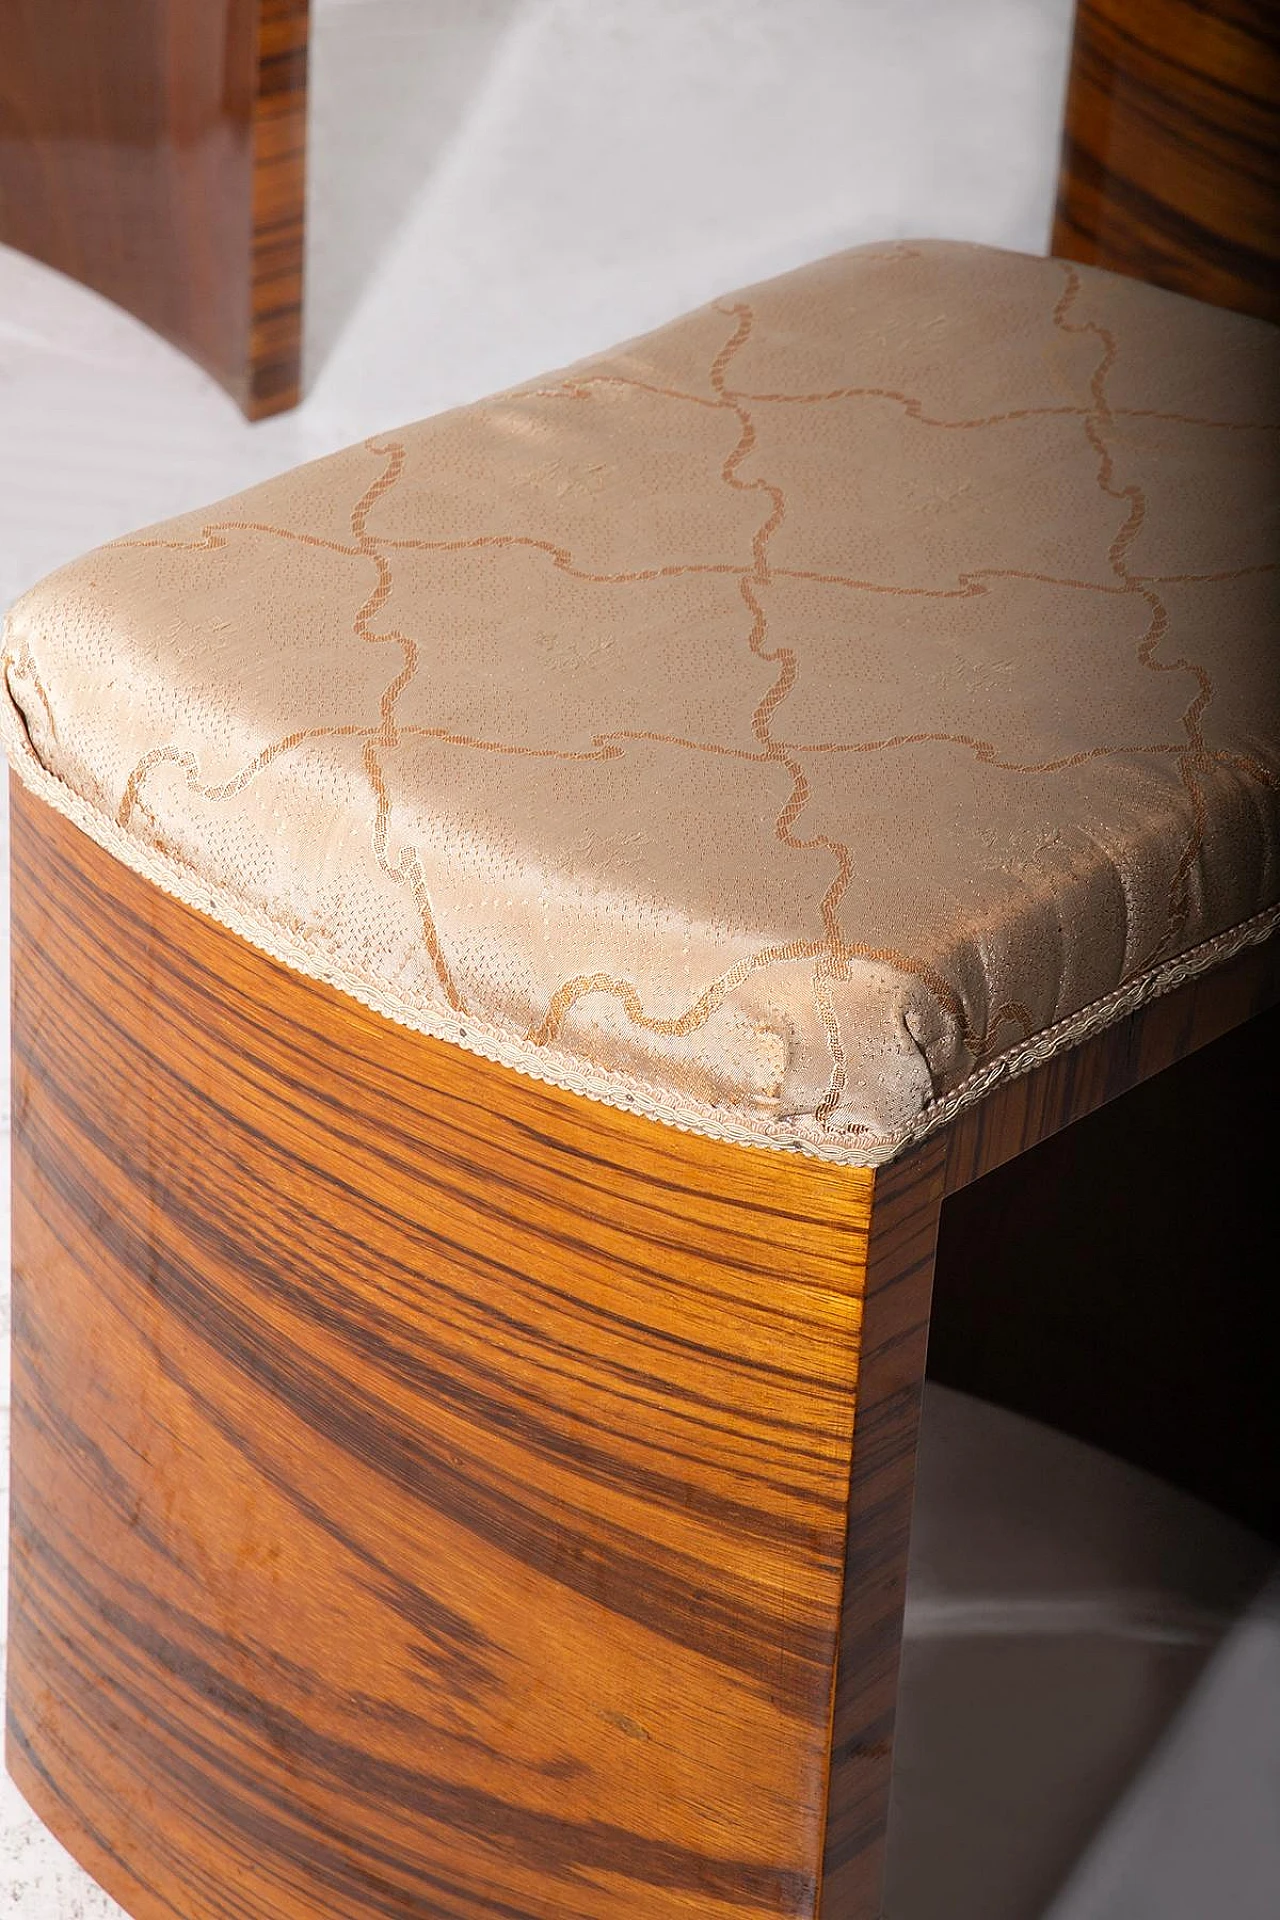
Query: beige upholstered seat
x,y
781,724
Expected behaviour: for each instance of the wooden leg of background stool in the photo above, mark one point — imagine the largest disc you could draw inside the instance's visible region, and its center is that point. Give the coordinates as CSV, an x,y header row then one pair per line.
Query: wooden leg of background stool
x,y
154,149
430,1489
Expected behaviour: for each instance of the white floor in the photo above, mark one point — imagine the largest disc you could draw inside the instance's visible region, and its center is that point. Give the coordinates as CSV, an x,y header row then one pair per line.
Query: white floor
x,y
498,187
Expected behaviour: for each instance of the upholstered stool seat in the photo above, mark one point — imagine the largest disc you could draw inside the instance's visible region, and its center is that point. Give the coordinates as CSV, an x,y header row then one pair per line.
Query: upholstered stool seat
x,y
781,724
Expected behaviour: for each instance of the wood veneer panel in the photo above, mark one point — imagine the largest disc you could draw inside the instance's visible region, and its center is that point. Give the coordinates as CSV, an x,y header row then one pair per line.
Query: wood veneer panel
x,y
154,149
436,1493
430,1489
1171,151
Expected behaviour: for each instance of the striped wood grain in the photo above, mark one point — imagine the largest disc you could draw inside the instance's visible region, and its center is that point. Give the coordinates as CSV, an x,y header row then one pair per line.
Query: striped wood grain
x,y
904,1239
155,149
430,1489
1171,154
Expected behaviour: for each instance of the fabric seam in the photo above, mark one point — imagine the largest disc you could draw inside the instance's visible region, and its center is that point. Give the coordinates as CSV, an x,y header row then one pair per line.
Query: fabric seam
x,y
217,903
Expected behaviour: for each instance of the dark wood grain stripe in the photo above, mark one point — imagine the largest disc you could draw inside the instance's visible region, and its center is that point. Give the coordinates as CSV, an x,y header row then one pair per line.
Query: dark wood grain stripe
x,y
430,1489
436,1494
1171,156
279,208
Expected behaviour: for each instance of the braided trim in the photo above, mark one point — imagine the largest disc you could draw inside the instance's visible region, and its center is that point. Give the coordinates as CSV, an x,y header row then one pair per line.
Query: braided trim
x,y
554,1068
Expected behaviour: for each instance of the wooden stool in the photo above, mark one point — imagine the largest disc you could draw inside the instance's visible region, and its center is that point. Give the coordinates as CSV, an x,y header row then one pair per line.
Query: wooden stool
x,y
519,928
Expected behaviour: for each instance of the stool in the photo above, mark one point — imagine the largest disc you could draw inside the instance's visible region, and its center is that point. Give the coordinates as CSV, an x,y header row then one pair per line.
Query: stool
x,y
519,926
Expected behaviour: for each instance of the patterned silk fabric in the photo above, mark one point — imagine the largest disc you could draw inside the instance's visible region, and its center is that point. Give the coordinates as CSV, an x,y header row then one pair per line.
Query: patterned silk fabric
x,y
771,724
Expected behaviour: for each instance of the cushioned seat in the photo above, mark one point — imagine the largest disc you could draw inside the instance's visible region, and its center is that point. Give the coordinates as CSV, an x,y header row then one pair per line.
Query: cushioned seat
x,y
782,724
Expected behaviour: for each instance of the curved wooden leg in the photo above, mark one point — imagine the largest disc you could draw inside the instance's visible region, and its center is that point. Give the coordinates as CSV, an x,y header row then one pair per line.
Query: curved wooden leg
x,y
430,1489
1118,1280
155,150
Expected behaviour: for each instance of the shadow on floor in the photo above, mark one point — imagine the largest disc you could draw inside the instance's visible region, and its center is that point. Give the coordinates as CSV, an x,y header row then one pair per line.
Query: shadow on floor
x,y
391,83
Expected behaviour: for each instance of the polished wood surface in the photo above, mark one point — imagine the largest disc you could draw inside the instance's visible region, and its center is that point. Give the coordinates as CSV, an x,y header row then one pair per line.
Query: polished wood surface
x,y
1022,1113
430,1489
154,149
1171,151
437,1493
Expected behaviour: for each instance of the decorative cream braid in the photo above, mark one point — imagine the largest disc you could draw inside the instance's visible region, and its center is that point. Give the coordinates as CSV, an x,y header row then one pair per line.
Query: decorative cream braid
x,y
609,1087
